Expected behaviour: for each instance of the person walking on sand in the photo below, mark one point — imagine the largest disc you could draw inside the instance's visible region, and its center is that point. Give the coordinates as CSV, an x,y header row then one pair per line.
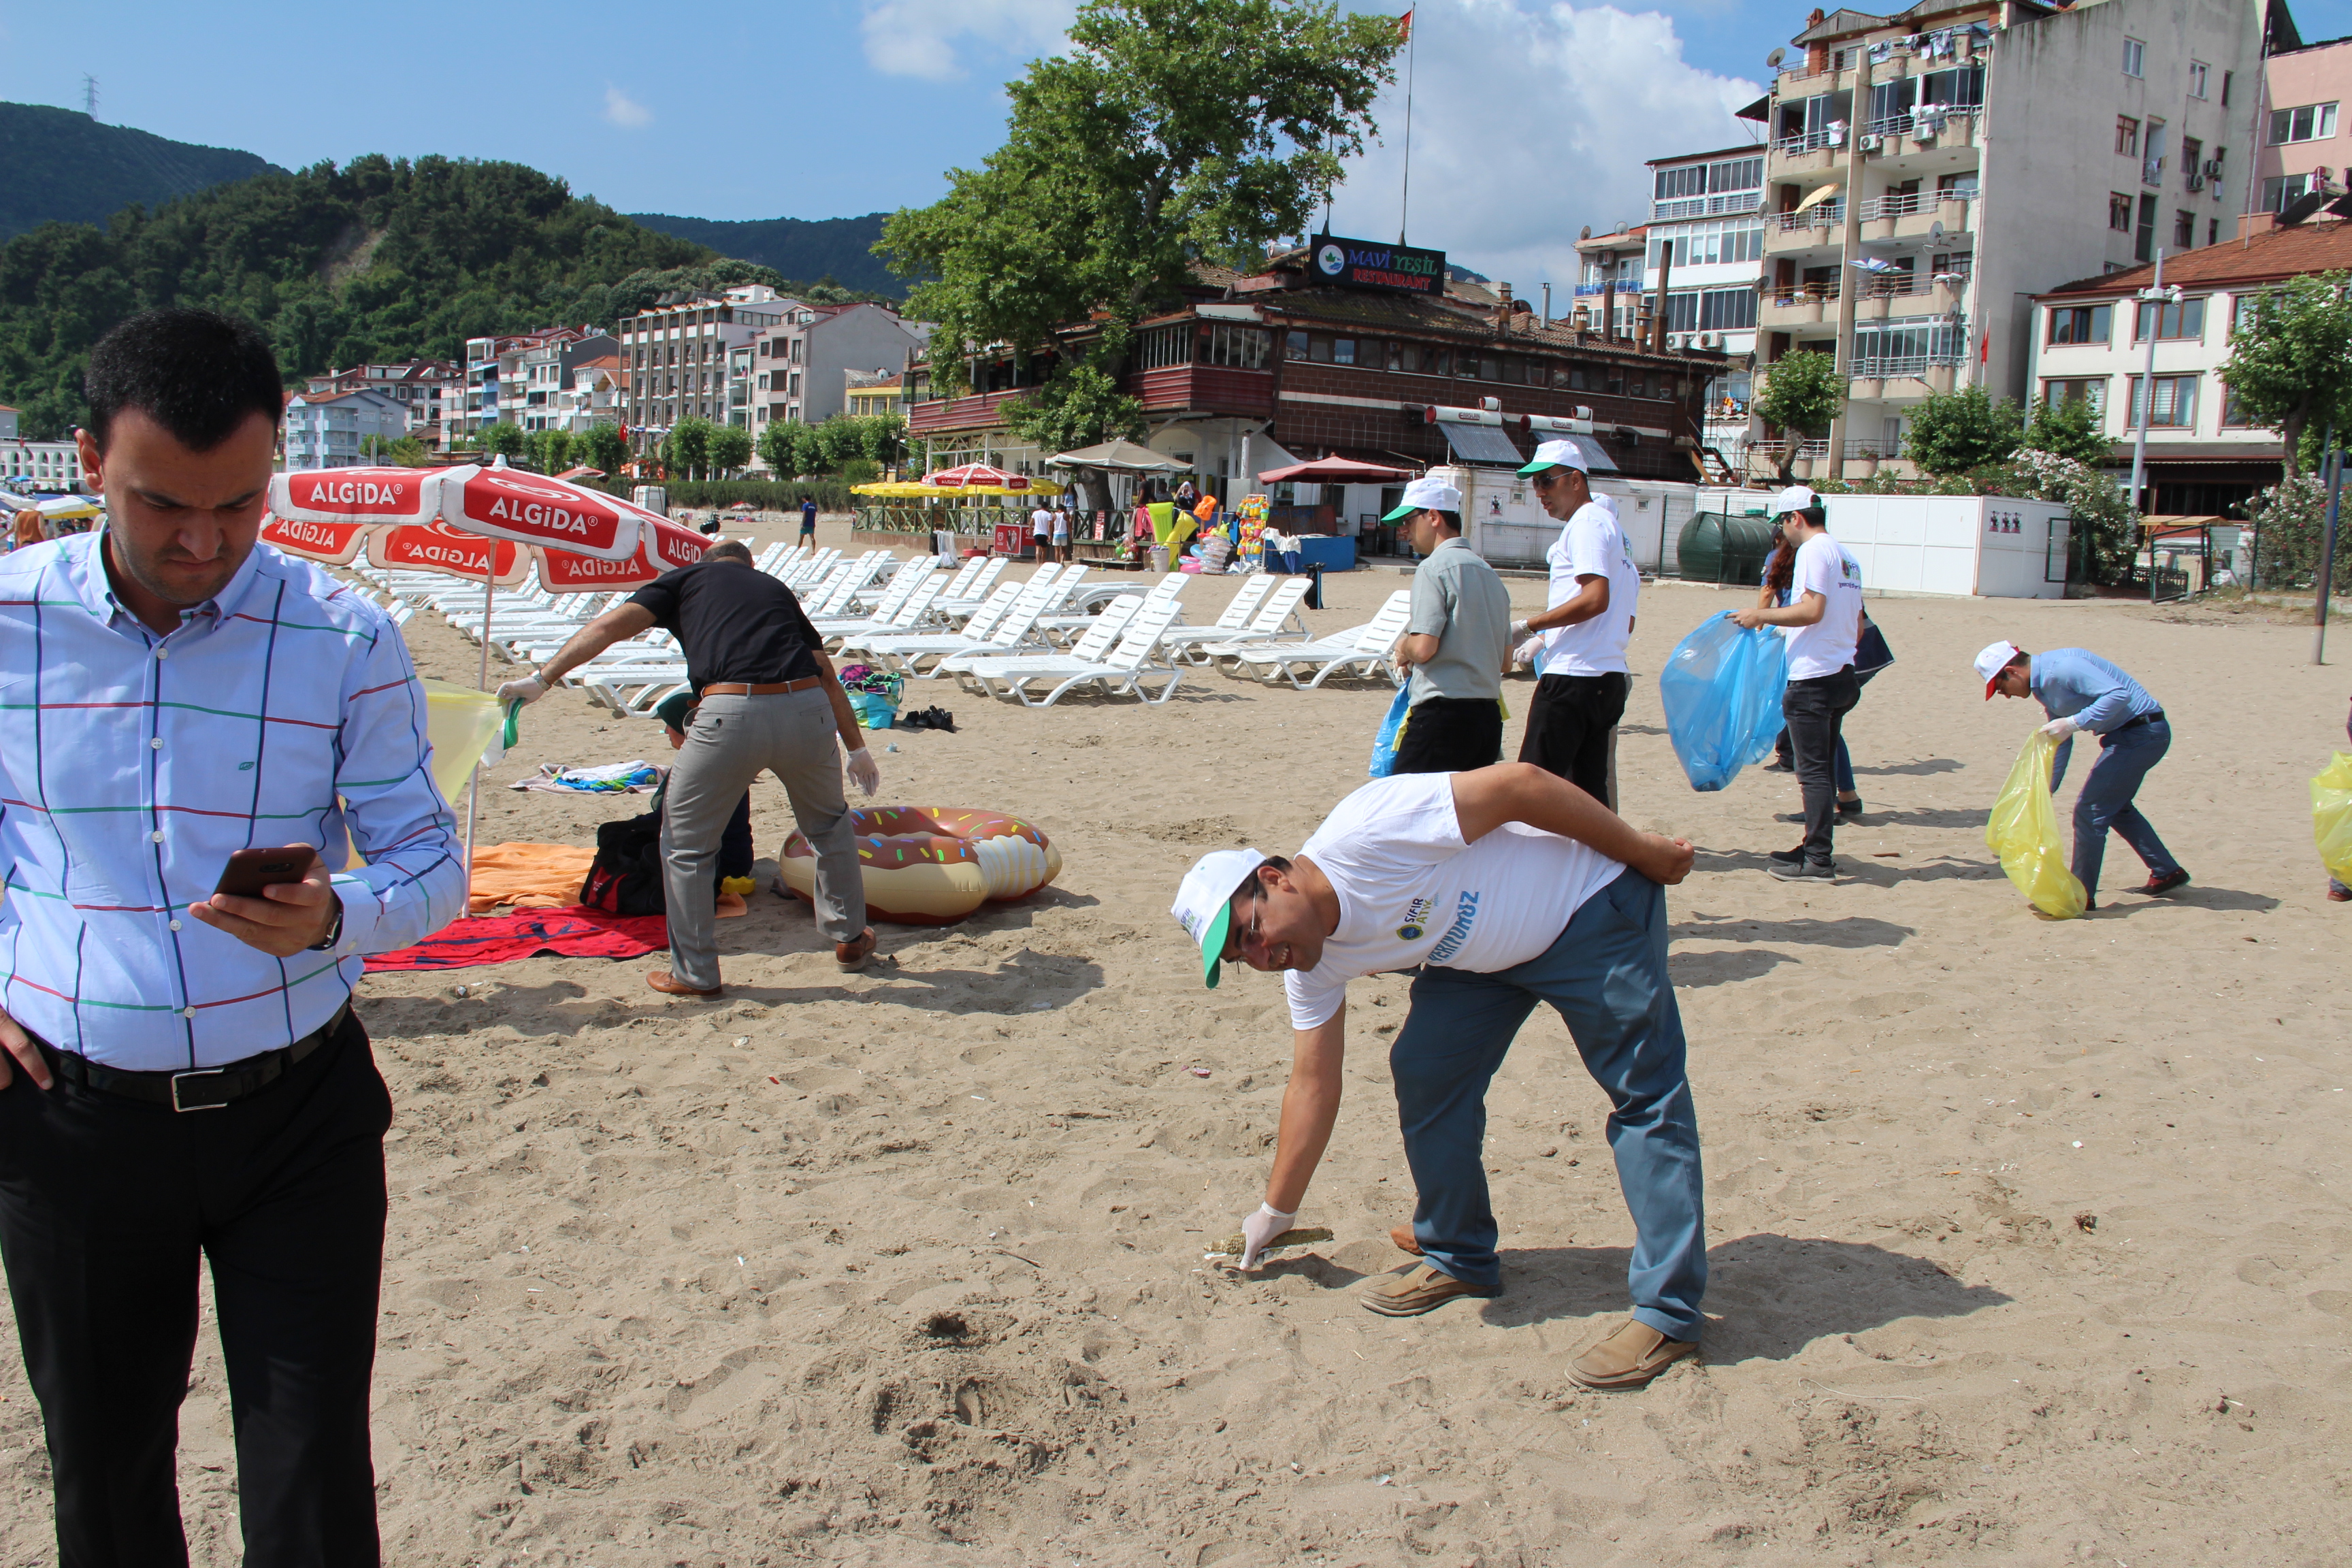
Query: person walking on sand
x,y
1826,622
184,1080
808,521
2080,691
1456,641
768,701
1505,886
1594,591
1041,531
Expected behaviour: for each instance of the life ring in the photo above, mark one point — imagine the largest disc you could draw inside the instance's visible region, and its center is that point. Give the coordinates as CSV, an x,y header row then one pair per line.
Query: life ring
x,y
931,866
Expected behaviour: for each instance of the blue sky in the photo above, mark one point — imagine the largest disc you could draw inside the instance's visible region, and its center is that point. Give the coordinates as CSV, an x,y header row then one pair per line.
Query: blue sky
x,y
1529,119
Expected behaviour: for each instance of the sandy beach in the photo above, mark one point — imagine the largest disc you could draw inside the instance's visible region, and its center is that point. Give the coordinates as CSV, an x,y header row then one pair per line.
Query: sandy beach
x,y
2028,1240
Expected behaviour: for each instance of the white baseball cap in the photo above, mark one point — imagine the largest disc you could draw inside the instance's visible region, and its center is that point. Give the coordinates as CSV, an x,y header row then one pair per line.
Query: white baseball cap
x,y
1993,661
1559,455
1426,494
1205,901
1796,498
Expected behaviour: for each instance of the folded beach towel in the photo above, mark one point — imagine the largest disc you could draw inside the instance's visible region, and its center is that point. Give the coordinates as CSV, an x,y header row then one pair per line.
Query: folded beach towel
x,y
612,778
571,932
528,876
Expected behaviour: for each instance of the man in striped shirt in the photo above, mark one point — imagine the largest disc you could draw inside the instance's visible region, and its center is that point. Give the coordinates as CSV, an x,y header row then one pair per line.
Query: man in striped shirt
x,y
183,1079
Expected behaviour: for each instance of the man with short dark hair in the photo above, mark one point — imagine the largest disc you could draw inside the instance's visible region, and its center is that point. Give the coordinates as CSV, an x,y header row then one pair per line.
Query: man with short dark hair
x,y
184,1080
1456,639
767,700
1594,590
808,521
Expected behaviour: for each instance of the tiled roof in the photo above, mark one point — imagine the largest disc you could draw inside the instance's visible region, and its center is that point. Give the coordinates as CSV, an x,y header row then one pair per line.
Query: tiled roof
x,y
2322,245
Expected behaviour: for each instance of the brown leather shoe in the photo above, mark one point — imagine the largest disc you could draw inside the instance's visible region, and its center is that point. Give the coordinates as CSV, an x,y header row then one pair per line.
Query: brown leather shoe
x,y
1629,1358
853,956
669,985
1402,1236
1409,1292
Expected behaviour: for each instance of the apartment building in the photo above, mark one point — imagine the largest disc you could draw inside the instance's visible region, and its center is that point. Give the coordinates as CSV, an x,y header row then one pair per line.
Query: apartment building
x,y
2091,345
594,397
1931,171
865,393
340,429
796,371
2306,140
48,465
419,385
675,354
533,380
491,389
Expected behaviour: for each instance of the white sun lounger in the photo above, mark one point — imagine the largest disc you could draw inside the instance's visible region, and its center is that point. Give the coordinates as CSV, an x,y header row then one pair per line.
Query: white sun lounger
x,y
1122,671
1358,649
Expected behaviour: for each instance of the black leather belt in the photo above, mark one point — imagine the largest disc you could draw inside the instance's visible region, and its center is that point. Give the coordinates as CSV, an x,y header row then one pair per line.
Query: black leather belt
x,y
198,1089
2138,720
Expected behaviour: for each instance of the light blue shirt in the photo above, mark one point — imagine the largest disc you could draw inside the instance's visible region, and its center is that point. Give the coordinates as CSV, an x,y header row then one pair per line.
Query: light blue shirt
x,y
132,765
2075,683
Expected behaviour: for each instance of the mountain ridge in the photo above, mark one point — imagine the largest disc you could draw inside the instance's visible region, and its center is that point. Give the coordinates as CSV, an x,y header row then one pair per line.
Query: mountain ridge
x,y
840,248
65,167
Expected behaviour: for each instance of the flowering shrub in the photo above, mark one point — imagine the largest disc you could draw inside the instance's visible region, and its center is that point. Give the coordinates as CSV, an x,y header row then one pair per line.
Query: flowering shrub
x,y
2291,523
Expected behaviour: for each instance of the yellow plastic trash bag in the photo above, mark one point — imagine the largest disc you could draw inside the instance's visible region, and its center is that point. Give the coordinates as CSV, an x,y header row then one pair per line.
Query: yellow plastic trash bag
x,y
461,723
2024,832
2331,816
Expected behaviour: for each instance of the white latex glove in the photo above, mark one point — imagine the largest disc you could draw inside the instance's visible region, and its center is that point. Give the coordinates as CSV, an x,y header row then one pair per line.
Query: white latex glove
x,y
863,771
1518,630
1258,1229
527,691
2059,729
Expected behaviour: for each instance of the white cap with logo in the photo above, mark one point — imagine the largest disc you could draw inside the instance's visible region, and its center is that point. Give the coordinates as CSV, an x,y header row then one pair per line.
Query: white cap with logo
x,y
1993,661
1205,901
1426,494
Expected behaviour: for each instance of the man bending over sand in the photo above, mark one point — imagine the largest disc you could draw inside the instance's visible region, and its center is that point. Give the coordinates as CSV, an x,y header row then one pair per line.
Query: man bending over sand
x,y
1506,887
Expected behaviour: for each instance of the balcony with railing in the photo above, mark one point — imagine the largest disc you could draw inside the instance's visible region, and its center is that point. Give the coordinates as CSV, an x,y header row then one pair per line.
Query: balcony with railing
x,y
1816,226
1800,306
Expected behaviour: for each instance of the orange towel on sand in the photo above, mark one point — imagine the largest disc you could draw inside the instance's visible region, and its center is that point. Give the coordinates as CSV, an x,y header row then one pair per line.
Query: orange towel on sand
x,y
528,876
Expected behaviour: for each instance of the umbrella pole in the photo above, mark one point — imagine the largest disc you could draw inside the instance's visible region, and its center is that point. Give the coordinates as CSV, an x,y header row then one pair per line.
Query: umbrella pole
x,y
474,785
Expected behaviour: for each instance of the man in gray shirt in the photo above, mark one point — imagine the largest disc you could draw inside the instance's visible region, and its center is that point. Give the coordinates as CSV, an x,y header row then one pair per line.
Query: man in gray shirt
x,y
1455,641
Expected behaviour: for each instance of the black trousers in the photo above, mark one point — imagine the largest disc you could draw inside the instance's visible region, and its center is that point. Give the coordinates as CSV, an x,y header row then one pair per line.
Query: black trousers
x,y
1815,710
106,1207
1451,735
1571,728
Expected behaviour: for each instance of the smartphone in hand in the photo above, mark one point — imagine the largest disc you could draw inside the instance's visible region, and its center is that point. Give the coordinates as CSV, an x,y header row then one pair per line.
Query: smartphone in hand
x,y
250,871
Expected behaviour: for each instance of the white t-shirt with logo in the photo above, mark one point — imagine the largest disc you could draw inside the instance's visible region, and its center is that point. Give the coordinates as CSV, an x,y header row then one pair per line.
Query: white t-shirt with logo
x,y
1827,646
1410,892
1592,545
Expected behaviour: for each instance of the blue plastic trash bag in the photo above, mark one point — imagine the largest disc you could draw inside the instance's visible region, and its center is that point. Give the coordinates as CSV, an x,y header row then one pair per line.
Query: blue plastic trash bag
x,y
1384,744
1721,690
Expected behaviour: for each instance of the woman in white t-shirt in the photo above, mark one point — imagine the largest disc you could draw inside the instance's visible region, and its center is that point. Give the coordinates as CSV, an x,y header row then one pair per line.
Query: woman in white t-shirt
x,y
1505,886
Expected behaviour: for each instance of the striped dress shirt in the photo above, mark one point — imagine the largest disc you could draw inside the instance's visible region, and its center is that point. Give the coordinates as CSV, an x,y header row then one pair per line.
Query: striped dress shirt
x,y
283,710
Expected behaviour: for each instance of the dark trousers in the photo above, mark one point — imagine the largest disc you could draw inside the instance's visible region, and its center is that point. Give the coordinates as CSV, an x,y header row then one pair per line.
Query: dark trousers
x,y
2106,801
1571,724
1816,712
107,1205
1451,735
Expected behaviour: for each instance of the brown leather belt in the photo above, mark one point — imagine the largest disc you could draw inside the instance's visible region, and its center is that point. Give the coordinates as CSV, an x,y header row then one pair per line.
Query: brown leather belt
x,y
765,689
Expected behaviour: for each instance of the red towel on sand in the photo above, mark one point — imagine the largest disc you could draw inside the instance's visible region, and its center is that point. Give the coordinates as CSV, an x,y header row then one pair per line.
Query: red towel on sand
x,y
573,933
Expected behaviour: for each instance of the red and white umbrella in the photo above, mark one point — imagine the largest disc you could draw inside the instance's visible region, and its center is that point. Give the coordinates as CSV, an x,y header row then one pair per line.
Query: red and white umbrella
x,y
969,475
662,546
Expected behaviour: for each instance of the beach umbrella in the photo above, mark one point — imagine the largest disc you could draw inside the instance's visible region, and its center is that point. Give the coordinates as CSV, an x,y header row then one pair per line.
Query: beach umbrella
x,y
968,475
1122,455
662,546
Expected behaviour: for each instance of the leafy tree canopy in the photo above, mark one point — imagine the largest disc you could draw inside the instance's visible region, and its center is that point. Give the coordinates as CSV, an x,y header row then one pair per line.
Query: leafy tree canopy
x,y
1173,132
1082,406
730,448
2288,366
2070,428
1954,432
1802,393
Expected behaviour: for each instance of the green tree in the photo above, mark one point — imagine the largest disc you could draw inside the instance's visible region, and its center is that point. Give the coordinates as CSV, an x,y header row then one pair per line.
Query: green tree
x,y
2069,428
1954,432
881,436
686,453
1172,132
1802,393
729,449
838,439
409,453
604,446
1081,407
778,449
503,440
2288,365
552,450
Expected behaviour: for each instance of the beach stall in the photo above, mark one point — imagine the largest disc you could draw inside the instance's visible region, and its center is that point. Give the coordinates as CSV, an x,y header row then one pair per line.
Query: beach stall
x,y
966,505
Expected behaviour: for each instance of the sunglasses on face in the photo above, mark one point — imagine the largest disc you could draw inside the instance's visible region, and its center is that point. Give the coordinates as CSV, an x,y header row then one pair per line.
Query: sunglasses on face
x,y
1236,946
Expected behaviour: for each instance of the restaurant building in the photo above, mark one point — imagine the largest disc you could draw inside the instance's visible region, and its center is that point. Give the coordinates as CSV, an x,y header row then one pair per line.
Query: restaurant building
x,y
1318,356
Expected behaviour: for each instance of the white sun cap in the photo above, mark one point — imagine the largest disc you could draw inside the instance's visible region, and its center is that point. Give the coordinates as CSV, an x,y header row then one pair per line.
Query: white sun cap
x,y
1796,498
1205,901
1426,494
1559,455
1993,661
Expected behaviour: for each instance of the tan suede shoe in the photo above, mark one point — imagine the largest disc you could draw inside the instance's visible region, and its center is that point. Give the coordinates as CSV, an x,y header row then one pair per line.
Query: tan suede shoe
x,y
1629,1358
1412,1291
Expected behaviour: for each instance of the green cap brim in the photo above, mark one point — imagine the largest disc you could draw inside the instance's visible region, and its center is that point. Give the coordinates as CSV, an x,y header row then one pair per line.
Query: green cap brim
x,y
1539,468
1402,511
1213,942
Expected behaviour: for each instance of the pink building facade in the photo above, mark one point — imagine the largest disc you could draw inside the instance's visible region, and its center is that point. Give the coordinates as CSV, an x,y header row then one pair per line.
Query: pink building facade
x,y
2306,143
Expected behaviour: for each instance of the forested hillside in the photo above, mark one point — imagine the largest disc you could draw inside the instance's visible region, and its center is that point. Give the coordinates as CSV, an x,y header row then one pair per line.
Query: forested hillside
x,y
840,248
378,259
63,166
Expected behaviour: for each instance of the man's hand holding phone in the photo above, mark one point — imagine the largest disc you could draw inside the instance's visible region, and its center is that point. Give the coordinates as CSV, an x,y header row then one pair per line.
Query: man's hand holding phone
x,y
278,900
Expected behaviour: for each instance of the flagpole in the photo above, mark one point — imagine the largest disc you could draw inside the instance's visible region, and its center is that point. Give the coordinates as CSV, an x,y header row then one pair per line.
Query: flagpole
x,y
1405,202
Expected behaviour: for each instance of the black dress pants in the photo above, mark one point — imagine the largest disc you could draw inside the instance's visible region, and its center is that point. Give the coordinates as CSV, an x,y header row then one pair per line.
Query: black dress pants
x,y
1815,710
106,1207
1571,726
1451,735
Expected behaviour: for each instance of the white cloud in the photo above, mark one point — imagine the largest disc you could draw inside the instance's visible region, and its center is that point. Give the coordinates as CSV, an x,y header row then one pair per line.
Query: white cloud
x,y
624,111
931,38
1528,122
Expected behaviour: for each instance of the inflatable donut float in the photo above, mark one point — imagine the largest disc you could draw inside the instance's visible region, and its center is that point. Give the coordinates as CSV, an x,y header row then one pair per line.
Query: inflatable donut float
x,y
931,866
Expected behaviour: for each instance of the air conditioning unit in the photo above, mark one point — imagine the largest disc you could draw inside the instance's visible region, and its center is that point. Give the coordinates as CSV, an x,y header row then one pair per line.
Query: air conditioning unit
x,y
1870,144
1677,341
2212,168
2196,181
1710,339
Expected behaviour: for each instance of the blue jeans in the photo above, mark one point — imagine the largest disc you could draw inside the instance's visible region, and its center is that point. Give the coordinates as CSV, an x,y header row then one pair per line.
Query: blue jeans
x,y
2124,758
1606,977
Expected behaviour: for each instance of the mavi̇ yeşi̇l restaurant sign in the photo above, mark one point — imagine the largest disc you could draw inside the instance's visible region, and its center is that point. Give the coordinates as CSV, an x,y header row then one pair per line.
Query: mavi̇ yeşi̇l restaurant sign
x,y
1362,264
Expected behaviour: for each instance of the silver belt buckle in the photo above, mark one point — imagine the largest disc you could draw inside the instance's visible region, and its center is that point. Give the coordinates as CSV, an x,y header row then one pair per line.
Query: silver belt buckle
x,y
178,1077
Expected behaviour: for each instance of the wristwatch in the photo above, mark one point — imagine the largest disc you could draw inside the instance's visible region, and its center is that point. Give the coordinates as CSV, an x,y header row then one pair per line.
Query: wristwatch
x,y
334,932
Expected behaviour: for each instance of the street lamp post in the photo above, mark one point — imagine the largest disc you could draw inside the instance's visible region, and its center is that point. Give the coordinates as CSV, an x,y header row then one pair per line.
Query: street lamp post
x,y
2156,294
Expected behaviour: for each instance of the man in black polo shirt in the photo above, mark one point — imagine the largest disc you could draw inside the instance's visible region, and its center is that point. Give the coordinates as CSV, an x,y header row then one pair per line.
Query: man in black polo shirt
x,y
769,701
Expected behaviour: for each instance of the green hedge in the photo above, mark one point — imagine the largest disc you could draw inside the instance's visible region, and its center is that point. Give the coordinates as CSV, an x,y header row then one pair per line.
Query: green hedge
x,y
832,493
